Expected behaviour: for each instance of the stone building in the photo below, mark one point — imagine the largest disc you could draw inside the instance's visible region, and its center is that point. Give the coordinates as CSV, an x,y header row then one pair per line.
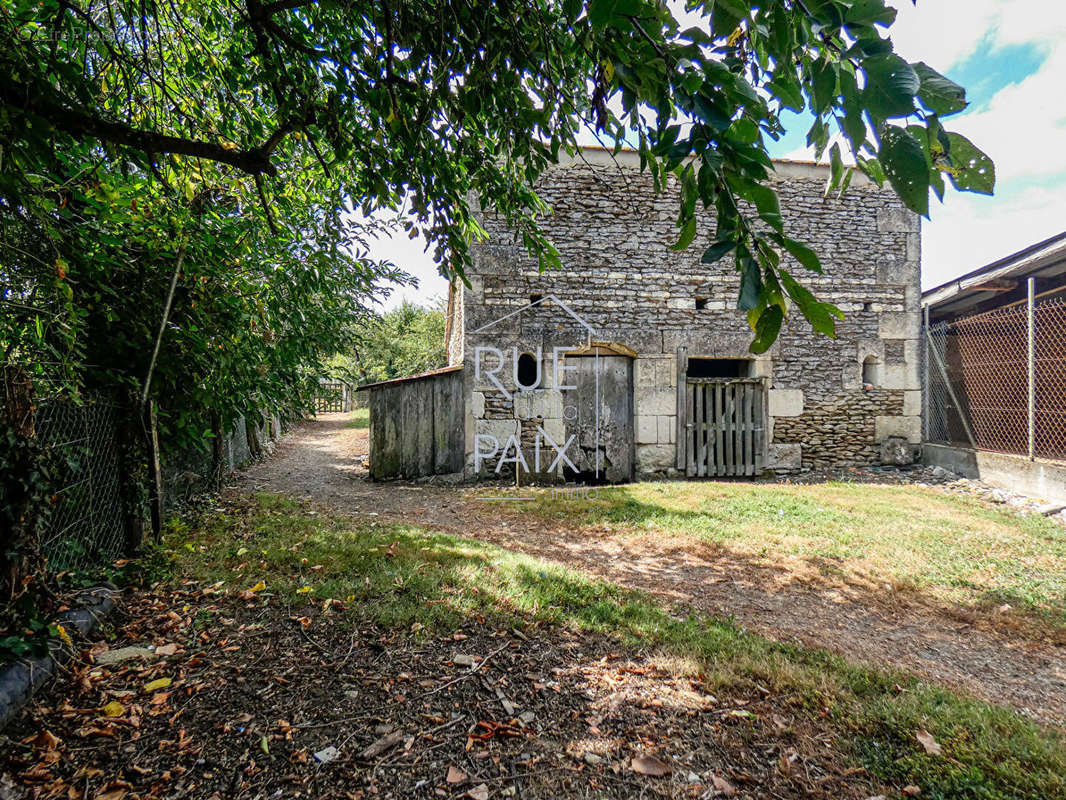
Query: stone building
x,y
632,360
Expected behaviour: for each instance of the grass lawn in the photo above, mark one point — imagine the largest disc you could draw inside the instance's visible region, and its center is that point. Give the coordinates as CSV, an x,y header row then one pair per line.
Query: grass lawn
x,y
407,578
948,548
360,418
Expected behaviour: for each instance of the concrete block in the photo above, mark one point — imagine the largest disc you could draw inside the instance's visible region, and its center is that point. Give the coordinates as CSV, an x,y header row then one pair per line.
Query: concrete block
x,y
762,367
477,404
667,427
899,325
909,428
784,456
647,430
654,401
786,402
912,298
900,376
912,349
655,458
912,403
914,250
645,372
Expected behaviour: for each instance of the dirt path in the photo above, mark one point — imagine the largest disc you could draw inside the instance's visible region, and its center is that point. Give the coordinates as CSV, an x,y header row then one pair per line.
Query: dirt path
x,y
320,462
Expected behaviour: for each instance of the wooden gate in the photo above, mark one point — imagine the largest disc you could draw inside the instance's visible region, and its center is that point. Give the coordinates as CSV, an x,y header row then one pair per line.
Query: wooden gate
x,y
332,396
725,433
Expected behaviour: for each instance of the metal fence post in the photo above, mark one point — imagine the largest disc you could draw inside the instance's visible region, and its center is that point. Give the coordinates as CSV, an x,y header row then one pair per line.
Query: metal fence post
x,y
925,376
1031,322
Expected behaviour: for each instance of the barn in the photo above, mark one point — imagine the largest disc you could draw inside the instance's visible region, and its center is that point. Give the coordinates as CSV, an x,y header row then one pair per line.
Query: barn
x,y
632,361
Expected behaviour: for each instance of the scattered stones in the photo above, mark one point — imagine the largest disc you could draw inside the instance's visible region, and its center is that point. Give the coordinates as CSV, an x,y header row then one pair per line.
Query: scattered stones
x,y
327,754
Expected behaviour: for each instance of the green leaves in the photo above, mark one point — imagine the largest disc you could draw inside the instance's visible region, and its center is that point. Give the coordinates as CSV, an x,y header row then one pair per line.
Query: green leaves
x,y
688,233
767,327
972,170
891,84
717,251
803,254
820,315
904,164
870,12
437,109
937,93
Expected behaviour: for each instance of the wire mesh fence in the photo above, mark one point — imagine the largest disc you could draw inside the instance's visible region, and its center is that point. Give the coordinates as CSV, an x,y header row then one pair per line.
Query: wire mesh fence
x,y
978,380
85,528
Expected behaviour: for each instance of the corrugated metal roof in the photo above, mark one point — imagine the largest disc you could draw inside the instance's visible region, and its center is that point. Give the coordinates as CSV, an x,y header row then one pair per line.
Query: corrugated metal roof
x,y
1043,259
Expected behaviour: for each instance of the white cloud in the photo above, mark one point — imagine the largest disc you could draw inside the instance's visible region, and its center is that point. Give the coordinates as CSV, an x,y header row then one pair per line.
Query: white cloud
x,y
969,231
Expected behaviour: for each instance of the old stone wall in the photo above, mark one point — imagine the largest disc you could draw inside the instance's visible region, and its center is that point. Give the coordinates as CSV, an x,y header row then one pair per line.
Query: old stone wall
x,y
620,276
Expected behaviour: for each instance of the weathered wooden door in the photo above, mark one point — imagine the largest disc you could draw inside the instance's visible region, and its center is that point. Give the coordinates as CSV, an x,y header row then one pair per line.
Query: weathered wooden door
x,y
599,412
725,432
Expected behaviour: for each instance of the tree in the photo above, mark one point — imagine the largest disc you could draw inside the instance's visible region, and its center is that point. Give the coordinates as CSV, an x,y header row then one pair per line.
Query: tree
x,y
407,340
299,107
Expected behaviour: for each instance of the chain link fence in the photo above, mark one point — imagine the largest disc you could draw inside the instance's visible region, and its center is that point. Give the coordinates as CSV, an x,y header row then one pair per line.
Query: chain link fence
x,y
978,380
86,525
87,452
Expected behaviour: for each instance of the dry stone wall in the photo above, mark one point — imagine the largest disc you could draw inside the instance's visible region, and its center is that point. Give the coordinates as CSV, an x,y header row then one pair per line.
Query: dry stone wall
x,y
620,276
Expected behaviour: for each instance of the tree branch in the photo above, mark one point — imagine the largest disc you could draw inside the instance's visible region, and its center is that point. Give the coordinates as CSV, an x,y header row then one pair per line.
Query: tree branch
x,y
79,122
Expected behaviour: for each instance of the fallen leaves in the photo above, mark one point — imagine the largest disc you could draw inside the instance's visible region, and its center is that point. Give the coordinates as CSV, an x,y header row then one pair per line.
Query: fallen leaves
x,y
722,786
114,709
259,691
932,746
645,764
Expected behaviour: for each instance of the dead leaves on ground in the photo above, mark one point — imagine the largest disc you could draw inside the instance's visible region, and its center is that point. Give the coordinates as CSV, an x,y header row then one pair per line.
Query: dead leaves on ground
x,y
233,700
930,745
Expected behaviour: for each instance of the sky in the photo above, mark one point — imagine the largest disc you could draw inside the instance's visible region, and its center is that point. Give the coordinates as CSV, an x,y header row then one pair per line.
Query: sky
x,y
1011,57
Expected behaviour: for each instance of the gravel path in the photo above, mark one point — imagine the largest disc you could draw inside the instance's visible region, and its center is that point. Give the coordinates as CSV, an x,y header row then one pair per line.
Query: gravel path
x,y
321,462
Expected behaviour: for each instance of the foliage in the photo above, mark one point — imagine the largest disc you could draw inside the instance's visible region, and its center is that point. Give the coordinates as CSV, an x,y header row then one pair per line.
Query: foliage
x,y
26,501
404,341
406,577
130,127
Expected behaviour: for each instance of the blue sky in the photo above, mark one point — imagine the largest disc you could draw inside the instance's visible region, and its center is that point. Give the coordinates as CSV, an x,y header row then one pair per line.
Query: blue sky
x,y
1011,57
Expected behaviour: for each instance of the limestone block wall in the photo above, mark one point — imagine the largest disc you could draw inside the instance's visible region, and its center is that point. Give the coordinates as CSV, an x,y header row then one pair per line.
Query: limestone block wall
x,y
620,277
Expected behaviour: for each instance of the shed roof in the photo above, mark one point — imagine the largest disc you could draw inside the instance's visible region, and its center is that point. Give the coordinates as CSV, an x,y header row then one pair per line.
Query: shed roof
x,y
1044,259
406,378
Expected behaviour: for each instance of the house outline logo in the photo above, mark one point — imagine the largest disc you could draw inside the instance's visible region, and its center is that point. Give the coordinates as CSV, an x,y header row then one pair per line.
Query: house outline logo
x,y
573,314
590,333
